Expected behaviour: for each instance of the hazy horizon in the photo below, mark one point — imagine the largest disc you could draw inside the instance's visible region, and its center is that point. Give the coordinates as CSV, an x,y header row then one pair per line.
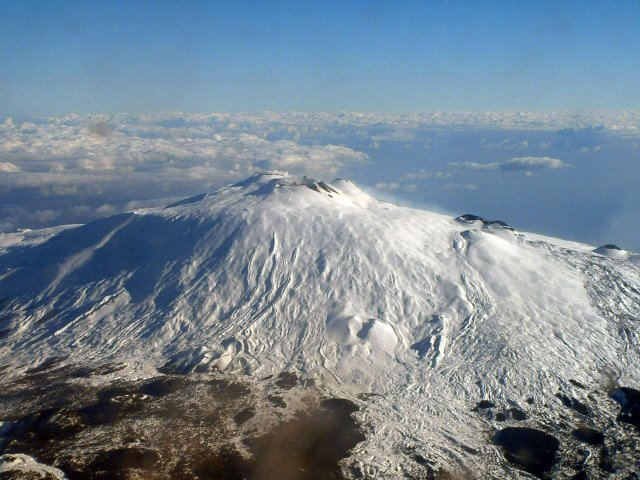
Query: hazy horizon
x,y
565,175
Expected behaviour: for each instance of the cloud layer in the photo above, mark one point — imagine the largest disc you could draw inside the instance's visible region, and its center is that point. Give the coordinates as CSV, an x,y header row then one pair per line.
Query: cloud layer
x,y
72,169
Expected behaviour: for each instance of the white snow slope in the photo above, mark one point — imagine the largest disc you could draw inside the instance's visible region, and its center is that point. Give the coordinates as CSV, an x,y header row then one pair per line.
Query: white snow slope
x,y
284,273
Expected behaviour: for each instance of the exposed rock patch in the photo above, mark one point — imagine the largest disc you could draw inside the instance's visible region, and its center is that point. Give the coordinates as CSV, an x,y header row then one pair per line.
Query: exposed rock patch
x,y
629,400
529,449
180,427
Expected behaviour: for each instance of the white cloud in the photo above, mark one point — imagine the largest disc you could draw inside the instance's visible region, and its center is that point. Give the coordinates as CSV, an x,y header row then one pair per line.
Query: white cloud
x,y
515,164
506,144
461,186
141,144
111,161
106,209
593,149
8,167
387,187
538,163
419,175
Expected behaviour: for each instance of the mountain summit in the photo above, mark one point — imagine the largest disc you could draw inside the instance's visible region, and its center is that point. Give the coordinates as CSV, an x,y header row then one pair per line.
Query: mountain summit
x,y
418,317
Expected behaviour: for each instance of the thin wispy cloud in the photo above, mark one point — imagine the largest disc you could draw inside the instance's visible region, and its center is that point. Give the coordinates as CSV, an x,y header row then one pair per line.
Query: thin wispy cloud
x,y
387,187
461,186
527,164
8,167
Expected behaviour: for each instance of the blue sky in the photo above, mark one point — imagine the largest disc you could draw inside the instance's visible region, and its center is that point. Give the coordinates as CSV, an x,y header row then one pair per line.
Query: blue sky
x,y
110,57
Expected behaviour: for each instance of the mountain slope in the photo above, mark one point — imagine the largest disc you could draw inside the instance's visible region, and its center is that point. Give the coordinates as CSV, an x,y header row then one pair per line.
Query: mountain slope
x,y
429,314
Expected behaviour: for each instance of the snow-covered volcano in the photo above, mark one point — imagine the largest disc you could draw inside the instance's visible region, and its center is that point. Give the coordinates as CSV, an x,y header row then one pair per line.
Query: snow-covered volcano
x,y
414,315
